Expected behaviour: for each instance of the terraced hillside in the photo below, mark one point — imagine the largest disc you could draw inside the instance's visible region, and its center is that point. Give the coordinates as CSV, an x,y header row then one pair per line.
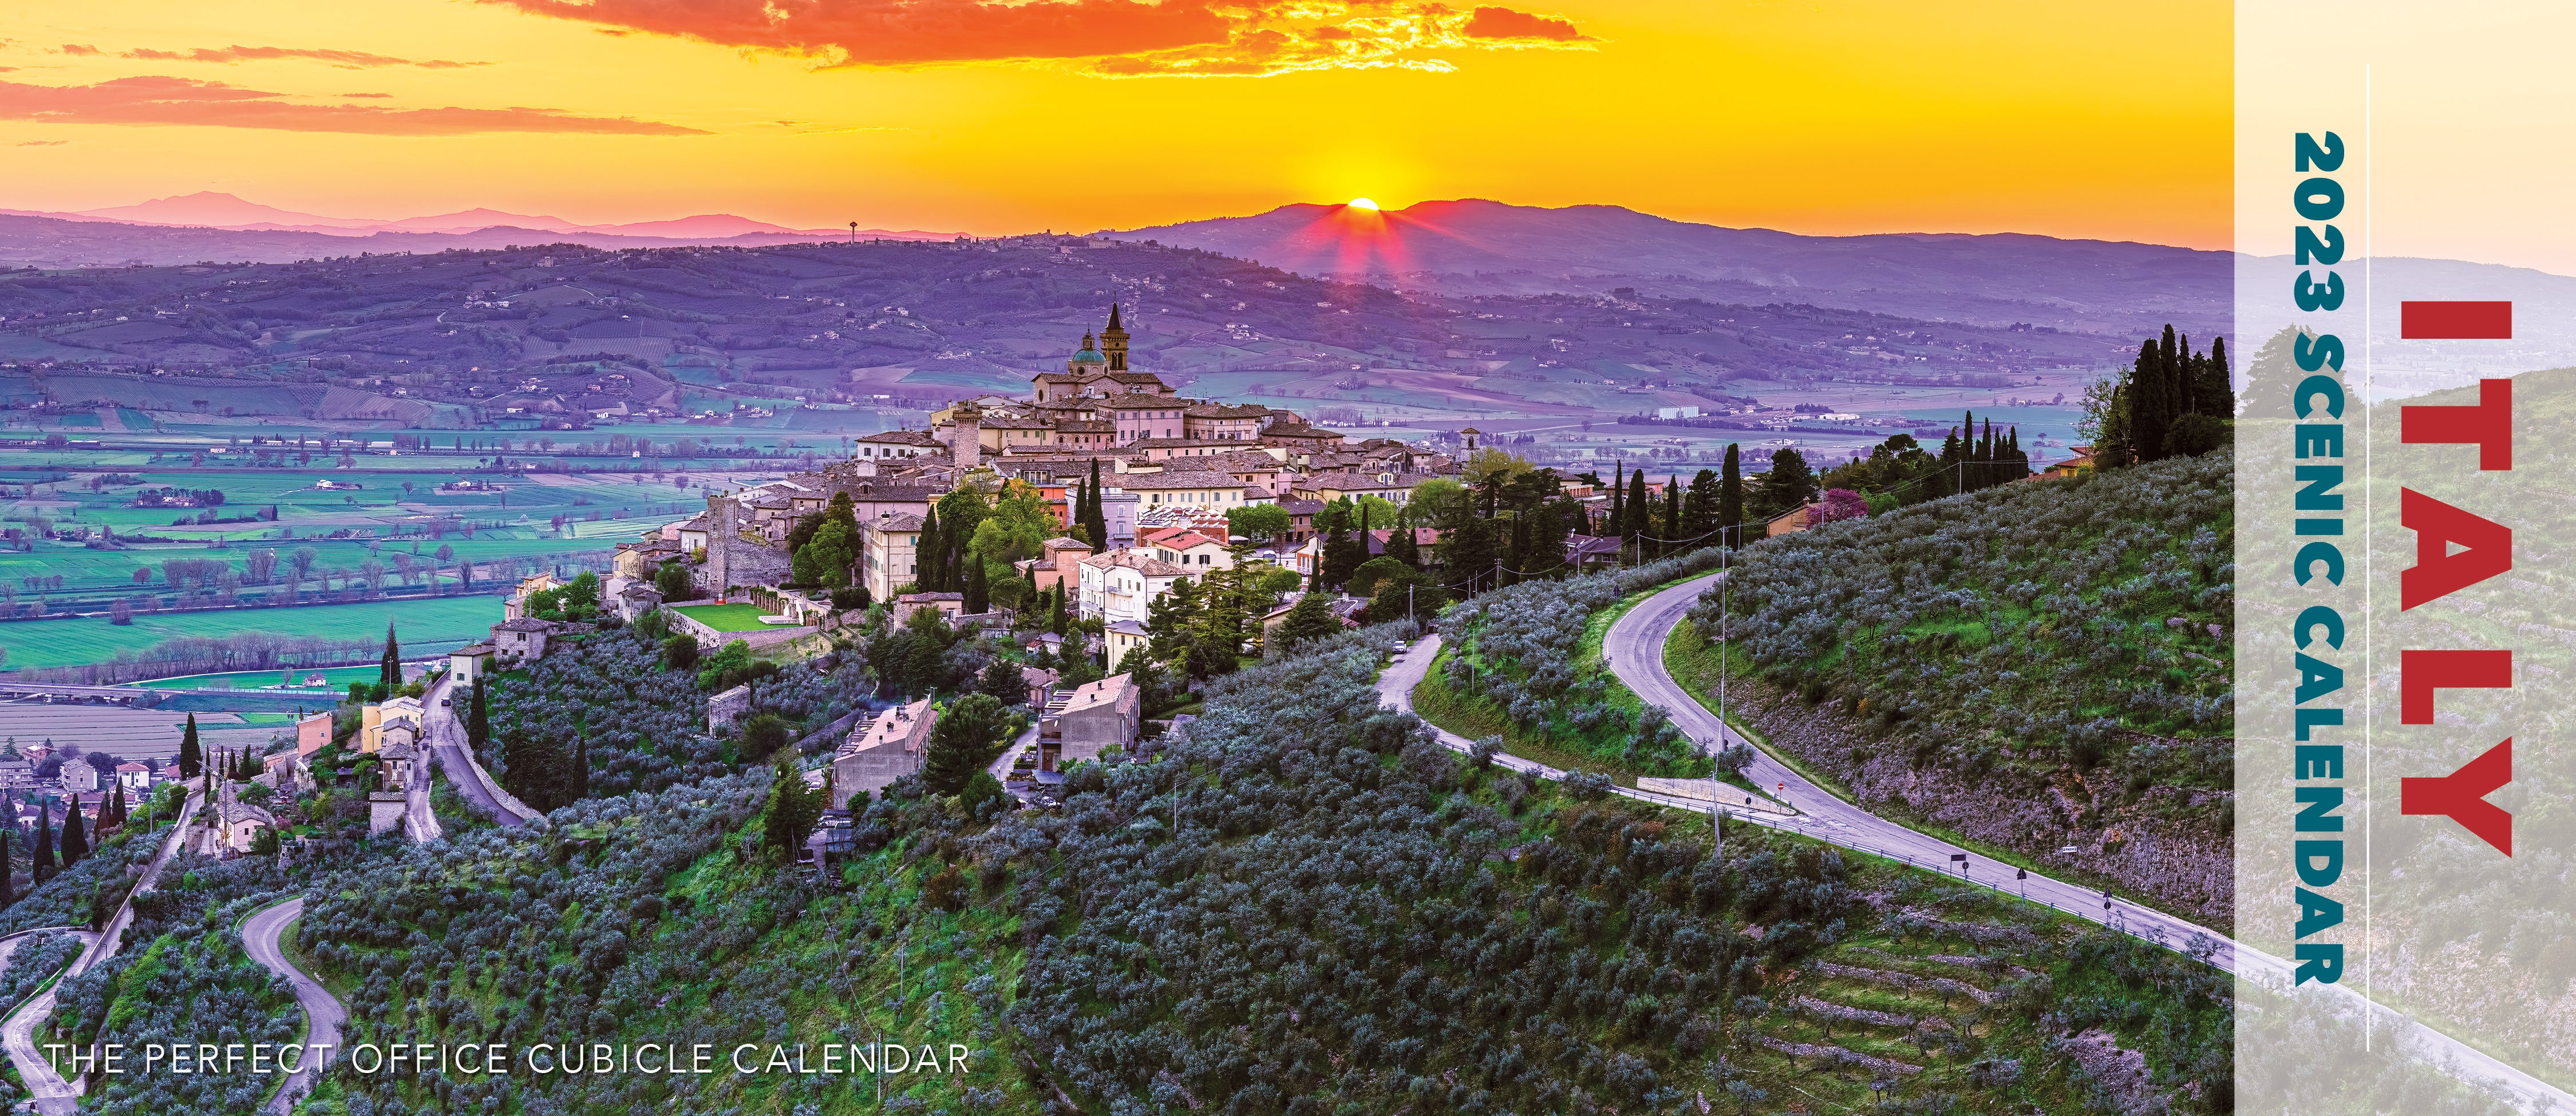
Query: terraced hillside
x,y
2040,667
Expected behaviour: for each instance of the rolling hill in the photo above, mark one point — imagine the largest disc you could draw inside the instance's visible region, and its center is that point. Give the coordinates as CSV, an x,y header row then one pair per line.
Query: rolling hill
x,y
1994,279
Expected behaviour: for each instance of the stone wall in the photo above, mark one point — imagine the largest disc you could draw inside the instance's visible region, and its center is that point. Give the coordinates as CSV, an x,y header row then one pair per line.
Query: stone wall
x,y
2167,843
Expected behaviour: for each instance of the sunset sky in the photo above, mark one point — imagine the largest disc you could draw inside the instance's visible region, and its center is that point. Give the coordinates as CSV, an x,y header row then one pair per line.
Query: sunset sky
x,y
2106,121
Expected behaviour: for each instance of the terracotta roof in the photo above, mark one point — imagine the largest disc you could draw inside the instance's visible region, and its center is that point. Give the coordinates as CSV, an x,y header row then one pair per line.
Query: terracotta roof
x,y
903,437
1206,409
1129,559
1061,542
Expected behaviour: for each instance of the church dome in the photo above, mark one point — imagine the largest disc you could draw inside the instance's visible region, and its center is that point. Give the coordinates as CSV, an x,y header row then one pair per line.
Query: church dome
x,y
1090,356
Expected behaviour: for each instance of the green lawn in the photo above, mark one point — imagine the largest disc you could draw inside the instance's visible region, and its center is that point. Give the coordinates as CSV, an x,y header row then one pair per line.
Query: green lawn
x,y
727,617
435,624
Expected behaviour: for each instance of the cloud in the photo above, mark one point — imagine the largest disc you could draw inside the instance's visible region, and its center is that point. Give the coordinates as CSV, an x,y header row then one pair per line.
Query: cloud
x,y
1126,38
77,49
183,101
366,94
43,143
1504,23
352,59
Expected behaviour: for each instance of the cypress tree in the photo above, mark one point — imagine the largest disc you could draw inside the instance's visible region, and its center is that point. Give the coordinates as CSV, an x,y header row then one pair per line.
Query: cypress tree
x,y
979,593
8,885
1637,508
2147,415
926,575
1056,622
1730,497
1094,520
192,756
75,842
580,788
1618,499
1403,547
389,672
42,867
2217,394
478,721
113,814
1673,512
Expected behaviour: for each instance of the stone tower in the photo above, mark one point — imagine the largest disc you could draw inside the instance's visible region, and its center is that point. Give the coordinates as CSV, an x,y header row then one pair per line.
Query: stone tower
x,y
1113,341
967,445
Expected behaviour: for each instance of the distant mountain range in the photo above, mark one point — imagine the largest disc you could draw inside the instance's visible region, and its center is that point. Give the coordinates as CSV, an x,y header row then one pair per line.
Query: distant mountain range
x,y
225,228
1473,245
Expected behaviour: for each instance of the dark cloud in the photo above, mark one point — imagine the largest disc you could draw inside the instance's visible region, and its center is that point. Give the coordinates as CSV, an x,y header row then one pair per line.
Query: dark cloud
x,y
1504,23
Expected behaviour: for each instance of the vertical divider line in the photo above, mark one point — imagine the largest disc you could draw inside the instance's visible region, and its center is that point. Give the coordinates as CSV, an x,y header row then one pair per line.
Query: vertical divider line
x,y
2369,603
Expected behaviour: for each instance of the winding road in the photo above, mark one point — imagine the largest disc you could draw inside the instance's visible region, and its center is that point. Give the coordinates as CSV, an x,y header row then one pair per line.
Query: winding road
x,y
324,1018
1634,650
52,1094
447,744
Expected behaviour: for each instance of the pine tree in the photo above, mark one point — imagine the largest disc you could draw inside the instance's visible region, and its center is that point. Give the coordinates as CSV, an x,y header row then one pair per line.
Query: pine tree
x,y
793,807
75,841
1730,497
192,756
1699,509
41,868
1471,556
966,738
389,672
1311,619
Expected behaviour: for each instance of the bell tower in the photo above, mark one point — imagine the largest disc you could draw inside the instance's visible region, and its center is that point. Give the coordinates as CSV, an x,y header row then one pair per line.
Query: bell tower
x,y
1113,341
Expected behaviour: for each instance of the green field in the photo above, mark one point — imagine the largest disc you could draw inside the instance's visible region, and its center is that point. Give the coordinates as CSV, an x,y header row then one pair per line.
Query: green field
x,y
335,680
727,617
424,625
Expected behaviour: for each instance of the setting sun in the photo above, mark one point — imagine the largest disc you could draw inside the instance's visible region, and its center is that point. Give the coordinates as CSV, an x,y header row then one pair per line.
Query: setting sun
x,y
1362,203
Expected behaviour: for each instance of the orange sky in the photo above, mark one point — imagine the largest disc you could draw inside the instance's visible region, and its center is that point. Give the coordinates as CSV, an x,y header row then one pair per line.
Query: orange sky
x,y
2103,121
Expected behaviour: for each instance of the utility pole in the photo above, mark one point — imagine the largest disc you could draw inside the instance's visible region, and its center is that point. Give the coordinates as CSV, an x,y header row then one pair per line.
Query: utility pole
x,y
1717,820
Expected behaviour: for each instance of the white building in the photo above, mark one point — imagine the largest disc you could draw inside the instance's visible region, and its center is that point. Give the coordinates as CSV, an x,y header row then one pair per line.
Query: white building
x,y
1118,585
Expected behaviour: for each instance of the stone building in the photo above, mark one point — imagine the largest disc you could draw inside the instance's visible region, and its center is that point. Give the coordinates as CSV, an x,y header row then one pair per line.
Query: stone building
x,y
888,748
1083,722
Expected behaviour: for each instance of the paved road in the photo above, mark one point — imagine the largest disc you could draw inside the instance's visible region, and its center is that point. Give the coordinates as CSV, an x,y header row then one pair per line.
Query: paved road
x,y
1634,650
53,1095
447,743
323,1016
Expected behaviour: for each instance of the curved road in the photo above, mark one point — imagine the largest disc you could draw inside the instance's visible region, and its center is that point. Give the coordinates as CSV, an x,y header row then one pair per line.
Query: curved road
x,y
1634,650
447,743
53,1095
323,1016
